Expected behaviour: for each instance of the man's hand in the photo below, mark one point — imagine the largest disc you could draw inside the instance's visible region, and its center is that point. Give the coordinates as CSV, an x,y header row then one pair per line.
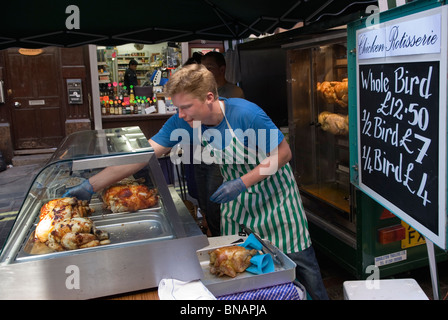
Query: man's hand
x,y
228,191
82,192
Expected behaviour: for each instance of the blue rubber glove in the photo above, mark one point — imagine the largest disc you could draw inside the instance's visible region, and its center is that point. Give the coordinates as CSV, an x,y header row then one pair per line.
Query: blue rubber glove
x,y
82,192
228,191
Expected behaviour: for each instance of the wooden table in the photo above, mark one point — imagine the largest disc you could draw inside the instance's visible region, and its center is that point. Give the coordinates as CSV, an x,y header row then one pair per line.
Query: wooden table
x,y
147,294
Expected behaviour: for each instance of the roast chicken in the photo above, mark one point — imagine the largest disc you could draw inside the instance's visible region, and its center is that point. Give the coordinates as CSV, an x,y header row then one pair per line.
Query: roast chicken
x,y
129,197
230,260
58,210
334,123
76,233
334,91
63,225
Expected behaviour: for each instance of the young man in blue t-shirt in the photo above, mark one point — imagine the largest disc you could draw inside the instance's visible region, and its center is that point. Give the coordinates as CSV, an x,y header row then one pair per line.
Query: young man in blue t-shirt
x,y
259,190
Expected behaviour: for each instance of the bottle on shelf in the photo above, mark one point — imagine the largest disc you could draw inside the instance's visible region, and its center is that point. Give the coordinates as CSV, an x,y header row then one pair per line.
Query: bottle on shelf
x,y
110,91
147,104
131,93
120,107
137,105
103,107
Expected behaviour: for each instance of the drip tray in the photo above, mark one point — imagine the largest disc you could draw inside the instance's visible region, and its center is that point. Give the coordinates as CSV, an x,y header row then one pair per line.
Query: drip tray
x,y
135,228
124,229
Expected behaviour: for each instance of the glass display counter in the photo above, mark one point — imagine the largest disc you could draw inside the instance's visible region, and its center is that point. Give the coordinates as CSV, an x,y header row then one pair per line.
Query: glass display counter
x,y
138,248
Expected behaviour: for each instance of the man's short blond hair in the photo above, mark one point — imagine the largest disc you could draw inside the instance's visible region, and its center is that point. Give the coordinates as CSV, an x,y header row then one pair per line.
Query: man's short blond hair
x,y
194,79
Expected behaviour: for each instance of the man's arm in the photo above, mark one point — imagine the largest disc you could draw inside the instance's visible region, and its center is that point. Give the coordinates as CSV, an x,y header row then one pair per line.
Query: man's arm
x,y
114,174
159,150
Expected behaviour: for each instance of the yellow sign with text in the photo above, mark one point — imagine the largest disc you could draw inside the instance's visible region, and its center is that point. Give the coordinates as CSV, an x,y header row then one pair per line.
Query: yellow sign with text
x,y
30,52
412,237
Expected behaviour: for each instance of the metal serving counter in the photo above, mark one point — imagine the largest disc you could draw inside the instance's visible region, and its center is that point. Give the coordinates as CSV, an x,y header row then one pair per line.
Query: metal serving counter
x,y
145,246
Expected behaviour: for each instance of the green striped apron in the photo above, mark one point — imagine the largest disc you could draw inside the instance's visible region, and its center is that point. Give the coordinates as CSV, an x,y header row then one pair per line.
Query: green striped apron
x,y
272,208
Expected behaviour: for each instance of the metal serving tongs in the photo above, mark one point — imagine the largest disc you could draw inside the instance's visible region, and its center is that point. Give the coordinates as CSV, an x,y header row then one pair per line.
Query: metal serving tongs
x,y
248,231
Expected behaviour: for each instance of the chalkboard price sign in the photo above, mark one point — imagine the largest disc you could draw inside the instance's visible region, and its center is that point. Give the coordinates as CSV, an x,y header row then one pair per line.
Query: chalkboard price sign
x,y
401,112
399,136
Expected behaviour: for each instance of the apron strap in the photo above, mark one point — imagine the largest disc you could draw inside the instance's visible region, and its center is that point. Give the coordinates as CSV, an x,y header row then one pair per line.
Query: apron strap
x,y
221,105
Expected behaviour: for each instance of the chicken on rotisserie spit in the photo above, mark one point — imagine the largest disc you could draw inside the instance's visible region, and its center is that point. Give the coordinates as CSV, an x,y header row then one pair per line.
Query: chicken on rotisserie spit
x,y
230,260
63,225
129,197
334,123
334,91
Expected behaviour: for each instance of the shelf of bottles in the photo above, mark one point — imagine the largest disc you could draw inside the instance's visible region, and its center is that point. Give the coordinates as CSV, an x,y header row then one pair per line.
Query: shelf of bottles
x,y
107,66
144,67
115,100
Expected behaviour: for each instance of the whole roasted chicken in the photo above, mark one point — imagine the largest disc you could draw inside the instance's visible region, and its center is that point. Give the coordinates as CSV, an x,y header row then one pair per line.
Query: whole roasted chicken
x,y
334,123
129,196
230,260
334,91
76,233
63,225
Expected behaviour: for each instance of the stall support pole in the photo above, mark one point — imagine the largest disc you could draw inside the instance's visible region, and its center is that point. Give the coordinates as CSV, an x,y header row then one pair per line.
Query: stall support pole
x,y
433,269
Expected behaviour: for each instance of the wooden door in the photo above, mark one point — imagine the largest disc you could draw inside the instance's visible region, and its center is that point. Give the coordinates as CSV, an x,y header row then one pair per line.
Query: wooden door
x,y
34,95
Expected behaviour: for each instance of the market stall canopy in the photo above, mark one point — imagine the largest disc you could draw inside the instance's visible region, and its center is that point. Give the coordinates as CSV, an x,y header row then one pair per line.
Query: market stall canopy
x,y
35,24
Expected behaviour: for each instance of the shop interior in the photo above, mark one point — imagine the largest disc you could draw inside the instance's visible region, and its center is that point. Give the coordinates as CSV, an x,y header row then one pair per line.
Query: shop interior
x,y
156,62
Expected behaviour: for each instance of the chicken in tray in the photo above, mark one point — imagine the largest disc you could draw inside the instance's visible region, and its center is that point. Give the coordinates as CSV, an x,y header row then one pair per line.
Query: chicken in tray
x,y
230,260
63,225
76,233
129,196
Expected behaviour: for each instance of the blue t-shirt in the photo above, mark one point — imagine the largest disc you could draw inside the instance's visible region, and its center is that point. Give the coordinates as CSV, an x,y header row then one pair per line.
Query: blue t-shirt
x,y
249,123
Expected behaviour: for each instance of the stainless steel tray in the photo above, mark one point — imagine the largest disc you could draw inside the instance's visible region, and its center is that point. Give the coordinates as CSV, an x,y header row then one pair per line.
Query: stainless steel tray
x,y
124,228
283,273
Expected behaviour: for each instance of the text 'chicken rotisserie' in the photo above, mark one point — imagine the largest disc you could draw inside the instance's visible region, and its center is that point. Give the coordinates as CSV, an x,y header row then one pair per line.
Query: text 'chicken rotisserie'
x,y
63,225
230,260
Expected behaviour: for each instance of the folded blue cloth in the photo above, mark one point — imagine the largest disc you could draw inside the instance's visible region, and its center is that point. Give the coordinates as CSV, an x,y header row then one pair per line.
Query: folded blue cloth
x,y
260,263
252,243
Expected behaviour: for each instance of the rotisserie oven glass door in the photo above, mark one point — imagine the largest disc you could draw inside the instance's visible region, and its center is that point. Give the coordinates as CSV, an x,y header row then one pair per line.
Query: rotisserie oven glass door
x,y
319,99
